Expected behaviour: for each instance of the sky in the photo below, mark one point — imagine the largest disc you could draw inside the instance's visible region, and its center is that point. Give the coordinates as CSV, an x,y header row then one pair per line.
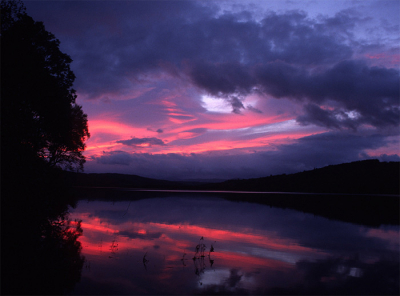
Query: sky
x,y
202,90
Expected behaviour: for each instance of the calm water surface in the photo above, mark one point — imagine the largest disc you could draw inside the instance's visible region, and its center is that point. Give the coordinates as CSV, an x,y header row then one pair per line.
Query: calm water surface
x,y
183,244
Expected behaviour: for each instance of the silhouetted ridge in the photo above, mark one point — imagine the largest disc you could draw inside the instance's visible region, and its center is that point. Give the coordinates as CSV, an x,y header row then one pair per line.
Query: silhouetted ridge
x,y
118,180
366,177
362,177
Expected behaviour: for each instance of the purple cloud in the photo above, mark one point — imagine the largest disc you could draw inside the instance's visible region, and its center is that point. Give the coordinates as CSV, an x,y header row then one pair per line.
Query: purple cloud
x,y
142,142
114,158
372,92
230,54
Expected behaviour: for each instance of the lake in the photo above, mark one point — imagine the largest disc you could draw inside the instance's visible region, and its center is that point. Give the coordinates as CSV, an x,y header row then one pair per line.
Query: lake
x,y
185,243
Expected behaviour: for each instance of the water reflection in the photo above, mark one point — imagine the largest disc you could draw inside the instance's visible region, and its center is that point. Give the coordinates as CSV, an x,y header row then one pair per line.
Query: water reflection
x,y
208,245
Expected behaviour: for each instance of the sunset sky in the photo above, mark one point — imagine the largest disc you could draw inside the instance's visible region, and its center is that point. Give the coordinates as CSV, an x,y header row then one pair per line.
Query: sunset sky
x,y
231,89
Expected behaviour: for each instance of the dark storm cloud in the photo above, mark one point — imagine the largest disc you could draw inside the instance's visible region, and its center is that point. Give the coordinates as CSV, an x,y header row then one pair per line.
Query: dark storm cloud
x,y
220,79
142,141
318,116
117,44
111,41
131,38
372,92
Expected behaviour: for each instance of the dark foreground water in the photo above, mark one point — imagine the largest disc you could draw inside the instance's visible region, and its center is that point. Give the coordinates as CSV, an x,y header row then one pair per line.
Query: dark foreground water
x,y
203,244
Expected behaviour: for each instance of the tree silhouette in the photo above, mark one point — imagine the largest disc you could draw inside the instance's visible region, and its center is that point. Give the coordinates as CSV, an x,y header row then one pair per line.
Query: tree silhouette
x,y
41,253
40,118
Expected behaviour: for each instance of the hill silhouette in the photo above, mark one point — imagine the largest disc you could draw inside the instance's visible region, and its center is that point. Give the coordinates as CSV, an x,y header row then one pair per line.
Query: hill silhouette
x,y
347,191
117,180
360,177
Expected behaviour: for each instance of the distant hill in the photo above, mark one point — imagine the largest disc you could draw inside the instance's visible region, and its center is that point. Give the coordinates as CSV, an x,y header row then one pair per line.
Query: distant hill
x,y
118,180
363,177
366,177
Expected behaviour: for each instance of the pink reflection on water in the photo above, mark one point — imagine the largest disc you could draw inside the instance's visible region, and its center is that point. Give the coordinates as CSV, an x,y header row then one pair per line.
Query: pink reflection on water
x,y
154,250
164,252
181,238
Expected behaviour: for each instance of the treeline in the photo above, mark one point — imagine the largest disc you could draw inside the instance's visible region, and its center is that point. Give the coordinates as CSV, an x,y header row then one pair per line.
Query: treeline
x,y
118,180
364,177
360,177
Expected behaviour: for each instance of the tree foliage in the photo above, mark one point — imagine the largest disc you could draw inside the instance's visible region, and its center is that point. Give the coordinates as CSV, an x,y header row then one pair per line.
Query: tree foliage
x,y
40,116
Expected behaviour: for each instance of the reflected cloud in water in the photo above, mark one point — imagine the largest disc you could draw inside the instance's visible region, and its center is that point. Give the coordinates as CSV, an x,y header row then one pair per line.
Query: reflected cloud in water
x,y
187,245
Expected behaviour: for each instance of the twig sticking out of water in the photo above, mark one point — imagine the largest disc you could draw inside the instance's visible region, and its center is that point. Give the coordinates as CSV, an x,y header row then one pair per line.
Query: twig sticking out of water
x,y
198,258
113,247
200,248
145,261
209,258
183,259
127,209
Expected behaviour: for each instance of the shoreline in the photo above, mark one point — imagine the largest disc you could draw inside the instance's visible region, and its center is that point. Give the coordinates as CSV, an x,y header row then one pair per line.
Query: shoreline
x,y
369,210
